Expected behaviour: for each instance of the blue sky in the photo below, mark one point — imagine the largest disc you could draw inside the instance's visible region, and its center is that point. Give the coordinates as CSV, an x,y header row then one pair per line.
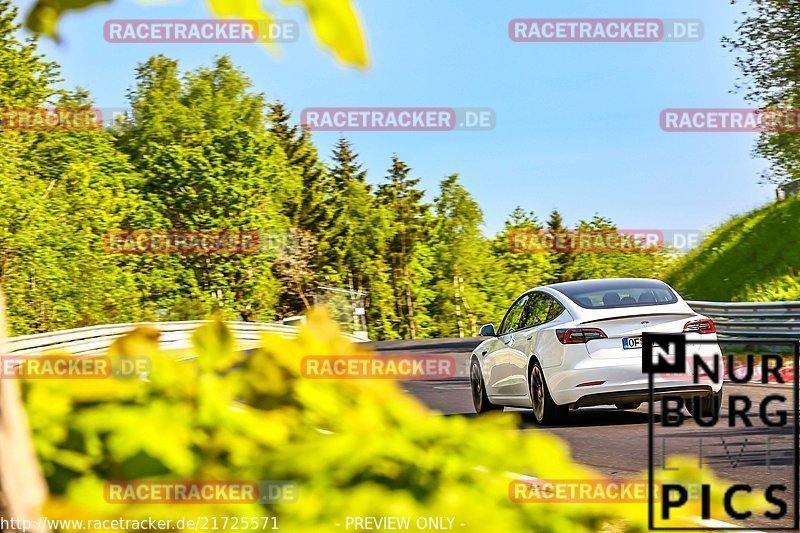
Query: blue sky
x,y
577,123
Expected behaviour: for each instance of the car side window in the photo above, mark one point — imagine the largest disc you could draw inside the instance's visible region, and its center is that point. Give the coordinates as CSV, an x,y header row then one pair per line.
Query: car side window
x,y
535,312
513,316
555,309
525,317
542,308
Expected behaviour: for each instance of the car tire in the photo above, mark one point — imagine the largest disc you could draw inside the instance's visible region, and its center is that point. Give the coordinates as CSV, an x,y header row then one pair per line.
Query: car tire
x,y
627,406
545,410
709,405
478,388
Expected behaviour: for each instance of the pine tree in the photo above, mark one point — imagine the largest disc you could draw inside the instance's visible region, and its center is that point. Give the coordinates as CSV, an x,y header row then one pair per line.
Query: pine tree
x,y
359,239
460,261
555,224
350,201
311,211
403,201
517,269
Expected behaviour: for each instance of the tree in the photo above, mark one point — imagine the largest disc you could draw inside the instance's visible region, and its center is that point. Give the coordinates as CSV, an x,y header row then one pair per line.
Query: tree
x,y
61,192
555,224
310,209
401,198
514,269
640,262
207,163
460,262
349,239
768,42
26,79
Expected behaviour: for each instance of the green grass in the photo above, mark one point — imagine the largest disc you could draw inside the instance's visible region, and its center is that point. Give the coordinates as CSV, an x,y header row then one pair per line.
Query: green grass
x,y
751,257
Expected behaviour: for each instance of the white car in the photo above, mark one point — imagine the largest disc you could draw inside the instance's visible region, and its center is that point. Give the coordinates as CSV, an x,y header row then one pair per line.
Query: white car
x,y
578,344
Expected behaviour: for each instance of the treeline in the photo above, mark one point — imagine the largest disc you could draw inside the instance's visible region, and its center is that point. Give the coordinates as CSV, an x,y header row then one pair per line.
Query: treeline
x,y
767,48
202,150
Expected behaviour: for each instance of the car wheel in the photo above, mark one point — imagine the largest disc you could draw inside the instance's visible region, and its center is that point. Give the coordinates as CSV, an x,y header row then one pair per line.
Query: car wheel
x,y
545,409
709,405
479,398
627,406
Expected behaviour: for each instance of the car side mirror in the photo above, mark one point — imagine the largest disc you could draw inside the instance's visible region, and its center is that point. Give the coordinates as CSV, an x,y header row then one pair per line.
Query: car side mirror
x,y
487,330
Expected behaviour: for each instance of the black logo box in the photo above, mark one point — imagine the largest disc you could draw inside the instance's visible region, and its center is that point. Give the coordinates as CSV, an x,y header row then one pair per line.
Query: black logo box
x,y
679,366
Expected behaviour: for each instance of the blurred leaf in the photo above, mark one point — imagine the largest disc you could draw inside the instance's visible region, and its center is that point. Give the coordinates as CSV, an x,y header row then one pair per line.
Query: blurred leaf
x,y
142,340
336,24
213,344
243,9
43,18
353,447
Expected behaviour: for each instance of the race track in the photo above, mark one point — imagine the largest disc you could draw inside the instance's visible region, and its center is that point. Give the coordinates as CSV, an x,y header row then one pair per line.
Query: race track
x,y
615,442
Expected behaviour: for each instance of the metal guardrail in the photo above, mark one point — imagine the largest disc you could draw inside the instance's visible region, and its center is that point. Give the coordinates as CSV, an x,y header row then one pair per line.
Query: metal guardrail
x,y
733,319
752,319
174,335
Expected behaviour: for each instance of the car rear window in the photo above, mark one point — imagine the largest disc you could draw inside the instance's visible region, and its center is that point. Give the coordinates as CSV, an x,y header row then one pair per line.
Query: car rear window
x,y
608,294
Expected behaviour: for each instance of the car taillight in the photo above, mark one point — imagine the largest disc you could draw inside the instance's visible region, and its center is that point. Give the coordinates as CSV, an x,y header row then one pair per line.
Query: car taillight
x,y
700,326
579,335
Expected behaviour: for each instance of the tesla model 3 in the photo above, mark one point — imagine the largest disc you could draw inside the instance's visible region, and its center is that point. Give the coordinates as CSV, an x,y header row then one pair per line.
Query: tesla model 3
x,y
577,344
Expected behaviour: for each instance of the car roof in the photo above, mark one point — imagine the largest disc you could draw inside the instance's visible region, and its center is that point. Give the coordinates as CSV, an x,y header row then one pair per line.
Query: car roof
x,y
607,284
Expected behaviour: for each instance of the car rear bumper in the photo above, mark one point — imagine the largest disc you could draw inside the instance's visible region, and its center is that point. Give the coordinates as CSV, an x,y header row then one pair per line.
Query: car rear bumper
x,y
642,395
584,381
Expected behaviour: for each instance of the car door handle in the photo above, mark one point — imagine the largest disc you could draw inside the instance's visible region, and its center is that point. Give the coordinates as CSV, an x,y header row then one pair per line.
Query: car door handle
x,y
529,338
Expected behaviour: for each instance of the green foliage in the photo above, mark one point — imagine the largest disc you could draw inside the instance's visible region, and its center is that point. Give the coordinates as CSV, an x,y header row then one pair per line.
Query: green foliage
x,y
768,48
334,22
379,451
516,272
765,240
461,260
408,230
202,150
354,447
205,162
650,263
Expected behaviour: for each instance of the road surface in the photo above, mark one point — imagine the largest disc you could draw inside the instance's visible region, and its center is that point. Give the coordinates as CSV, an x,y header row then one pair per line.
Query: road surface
x,y
615,442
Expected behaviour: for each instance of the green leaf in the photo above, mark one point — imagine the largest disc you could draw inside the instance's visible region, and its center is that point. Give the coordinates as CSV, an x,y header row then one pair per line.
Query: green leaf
x,y
213,344
336,24
43,18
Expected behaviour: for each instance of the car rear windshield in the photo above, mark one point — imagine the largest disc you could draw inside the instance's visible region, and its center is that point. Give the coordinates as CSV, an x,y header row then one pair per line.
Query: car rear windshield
x,y
608,294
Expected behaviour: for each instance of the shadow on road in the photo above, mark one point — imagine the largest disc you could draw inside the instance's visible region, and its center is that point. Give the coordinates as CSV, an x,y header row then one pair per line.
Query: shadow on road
x,y
593,417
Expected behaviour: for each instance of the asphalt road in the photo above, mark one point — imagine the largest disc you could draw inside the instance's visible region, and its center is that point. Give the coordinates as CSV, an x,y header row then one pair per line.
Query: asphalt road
x,y
614,442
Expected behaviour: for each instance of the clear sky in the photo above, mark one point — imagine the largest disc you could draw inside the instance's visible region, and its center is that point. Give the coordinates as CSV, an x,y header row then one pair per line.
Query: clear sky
x,y
577,123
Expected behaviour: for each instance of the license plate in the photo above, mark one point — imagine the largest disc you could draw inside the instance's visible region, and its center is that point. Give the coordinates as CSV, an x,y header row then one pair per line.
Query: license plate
x,y
630,343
